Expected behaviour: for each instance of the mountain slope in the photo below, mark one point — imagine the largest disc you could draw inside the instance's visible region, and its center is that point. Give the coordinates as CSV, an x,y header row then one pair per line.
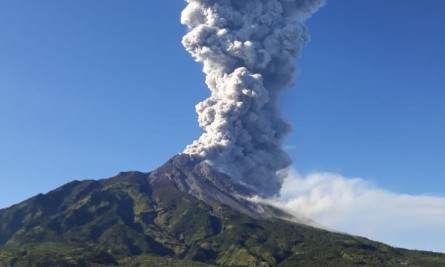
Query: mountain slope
x,y
175,215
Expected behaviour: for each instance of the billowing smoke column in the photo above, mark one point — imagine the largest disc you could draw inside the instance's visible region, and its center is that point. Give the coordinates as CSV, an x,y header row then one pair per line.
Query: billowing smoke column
x,y
249,49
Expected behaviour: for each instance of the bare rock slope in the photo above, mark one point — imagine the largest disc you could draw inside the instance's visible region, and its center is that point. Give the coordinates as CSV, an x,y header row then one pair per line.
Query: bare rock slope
x,y
197,178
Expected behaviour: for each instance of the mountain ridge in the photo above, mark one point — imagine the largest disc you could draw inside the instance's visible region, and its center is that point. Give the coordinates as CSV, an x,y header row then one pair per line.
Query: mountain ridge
x,y
175,214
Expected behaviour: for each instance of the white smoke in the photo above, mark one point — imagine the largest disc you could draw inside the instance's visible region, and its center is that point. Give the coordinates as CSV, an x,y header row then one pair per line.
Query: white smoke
x,y
359,207
248,49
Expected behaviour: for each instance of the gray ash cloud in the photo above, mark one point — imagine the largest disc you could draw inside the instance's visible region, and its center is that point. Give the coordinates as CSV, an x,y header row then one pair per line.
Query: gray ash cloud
x,y
248,49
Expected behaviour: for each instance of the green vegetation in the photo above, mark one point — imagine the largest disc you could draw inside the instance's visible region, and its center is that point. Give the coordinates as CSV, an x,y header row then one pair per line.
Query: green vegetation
x,y
123,221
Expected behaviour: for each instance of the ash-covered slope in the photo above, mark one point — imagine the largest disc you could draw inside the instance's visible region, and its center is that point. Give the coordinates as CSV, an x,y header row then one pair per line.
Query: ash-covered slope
x,y
193,176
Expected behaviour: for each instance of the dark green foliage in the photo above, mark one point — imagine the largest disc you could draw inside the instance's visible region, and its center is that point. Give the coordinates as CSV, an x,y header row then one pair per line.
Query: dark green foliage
x,y
124,221
54,254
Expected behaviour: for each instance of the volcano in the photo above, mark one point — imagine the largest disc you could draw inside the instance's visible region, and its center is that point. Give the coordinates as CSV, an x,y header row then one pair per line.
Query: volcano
x,y
185,213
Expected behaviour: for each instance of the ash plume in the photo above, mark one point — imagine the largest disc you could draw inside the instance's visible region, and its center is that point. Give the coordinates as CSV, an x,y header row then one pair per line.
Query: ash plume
x,y
248,49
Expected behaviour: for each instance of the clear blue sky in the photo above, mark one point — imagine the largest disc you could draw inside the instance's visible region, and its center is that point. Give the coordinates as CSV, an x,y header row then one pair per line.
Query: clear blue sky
x,y
92,88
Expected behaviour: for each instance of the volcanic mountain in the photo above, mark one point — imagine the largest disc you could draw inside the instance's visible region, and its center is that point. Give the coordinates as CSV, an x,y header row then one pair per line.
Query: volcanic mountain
x,y
185,213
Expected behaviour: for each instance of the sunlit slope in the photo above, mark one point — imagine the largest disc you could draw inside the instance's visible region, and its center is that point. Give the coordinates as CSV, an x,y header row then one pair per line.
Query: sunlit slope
x,y
128,221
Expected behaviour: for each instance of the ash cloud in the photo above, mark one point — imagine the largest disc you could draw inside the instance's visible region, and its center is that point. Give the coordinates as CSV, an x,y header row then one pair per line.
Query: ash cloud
x,y
248,49
359,207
